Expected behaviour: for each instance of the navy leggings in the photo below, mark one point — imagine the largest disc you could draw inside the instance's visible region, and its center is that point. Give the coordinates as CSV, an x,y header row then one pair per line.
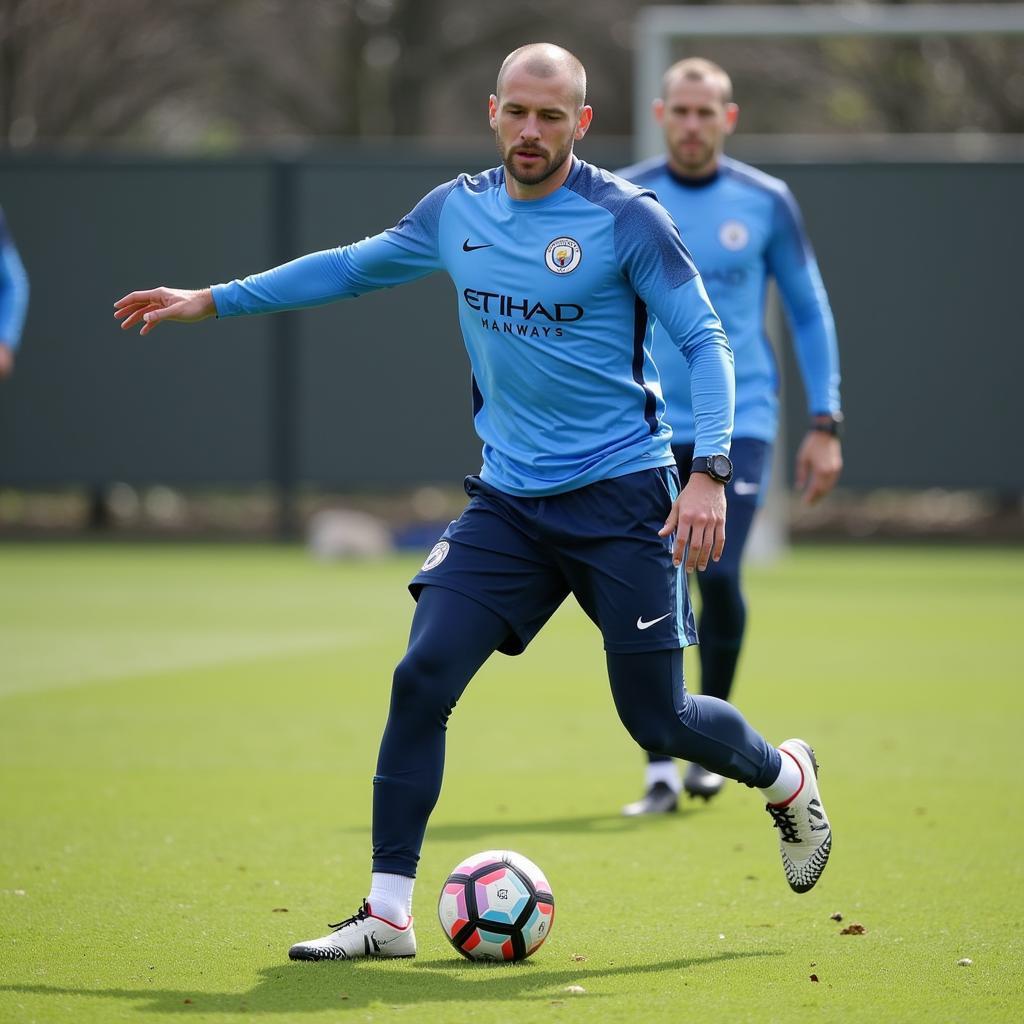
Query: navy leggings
x,y
723,615
452,636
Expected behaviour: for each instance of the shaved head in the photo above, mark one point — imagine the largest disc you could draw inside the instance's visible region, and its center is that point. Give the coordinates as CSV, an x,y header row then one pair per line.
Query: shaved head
x,y
545,60
697,69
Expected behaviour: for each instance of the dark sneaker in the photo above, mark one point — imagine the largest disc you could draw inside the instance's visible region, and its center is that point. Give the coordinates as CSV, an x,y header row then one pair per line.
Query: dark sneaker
x,y
805,836
360,935
661,798
700,782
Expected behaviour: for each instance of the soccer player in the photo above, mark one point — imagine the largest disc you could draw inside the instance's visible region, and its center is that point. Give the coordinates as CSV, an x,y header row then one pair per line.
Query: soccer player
x,y
742,227
555,265
13,298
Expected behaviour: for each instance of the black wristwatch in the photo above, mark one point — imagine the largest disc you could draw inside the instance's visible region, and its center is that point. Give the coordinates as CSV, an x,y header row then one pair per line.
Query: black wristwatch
x,y
830,423
718,467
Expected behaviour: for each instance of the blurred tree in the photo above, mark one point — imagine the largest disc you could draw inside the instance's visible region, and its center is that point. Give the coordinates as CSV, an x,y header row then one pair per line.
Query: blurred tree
x,y
205,74
90,72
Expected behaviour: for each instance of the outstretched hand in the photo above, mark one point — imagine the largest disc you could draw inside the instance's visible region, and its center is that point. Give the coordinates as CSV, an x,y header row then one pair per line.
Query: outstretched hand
x,y
698,520
150,307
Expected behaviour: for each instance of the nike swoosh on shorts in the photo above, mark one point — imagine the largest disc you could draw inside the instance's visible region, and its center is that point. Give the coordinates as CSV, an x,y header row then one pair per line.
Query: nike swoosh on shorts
x,y
640,624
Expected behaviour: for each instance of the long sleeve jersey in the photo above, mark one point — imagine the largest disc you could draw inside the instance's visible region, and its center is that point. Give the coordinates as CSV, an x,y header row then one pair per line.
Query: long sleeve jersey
x,y
554,296
742,227
13,289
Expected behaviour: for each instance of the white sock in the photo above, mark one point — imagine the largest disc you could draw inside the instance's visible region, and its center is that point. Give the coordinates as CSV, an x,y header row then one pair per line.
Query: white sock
x,y
664,771
789,782
391,897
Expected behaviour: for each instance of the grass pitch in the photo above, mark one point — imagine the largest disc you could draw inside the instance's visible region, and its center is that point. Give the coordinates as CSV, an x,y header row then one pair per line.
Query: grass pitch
x,y
187,737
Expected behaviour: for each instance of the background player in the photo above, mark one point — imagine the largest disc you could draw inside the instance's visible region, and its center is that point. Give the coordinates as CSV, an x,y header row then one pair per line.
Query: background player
x,y
742,227
555,264
13,298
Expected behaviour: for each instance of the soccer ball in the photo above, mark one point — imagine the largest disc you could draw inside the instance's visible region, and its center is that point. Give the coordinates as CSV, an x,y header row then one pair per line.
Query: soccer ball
x,y
496,905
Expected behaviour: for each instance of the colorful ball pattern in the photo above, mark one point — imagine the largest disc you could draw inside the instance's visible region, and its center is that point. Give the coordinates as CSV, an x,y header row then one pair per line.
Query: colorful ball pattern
x,y
496,905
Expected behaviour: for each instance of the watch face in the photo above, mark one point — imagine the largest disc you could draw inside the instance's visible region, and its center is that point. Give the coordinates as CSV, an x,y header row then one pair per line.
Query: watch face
x,y
721,466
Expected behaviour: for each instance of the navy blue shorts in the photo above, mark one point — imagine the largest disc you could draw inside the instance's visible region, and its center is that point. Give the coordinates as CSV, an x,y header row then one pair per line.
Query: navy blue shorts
x,y
744,494
521,557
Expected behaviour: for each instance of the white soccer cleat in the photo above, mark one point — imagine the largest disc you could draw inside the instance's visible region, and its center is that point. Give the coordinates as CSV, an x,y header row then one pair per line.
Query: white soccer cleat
x,y
362,934
660,798
805,836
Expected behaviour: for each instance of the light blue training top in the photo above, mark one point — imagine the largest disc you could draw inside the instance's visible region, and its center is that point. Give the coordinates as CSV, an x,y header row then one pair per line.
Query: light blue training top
x,y
13,289
744,226
553,297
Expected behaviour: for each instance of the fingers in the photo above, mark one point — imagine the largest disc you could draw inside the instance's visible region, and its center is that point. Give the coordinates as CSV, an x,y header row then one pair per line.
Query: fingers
x,y
131,315
821,482
813,492
719,545
680,549
706,545
148,315
136,308
818,465
670,522
684,545
147,307
700,548
152,316
699,545
150,296
698,516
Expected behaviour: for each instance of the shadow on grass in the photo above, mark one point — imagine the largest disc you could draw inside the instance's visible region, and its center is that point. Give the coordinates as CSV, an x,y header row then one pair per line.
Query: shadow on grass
x,y
581,824
308,988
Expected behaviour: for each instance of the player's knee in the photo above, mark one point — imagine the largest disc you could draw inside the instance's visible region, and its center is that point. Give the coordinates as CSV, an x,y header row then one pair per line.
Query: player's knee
x,y
653,740
417,686
646,688
650,730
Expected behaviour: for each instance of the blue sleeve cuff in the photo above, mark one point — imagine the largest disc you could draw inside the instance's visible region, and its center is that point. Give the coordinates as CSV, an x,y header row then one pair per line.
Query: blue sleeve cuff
x,y
218,291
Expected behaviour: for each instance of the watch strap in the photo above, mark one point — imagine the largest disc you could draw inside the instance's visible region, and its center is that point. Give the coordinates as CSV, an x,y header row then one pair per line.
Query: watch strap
x,y
830,423
705,464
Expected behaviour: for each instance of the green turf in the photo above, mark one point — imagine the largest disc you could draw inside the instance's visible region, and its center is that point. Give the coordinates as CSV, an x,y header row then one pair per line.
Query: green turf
x,y
187,737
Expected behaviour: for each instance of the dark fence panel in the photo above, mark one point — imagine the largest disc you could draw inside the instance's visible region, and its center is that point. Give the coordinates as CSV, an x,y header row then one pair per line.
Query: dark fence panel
x,y
922,264
89,403
917,260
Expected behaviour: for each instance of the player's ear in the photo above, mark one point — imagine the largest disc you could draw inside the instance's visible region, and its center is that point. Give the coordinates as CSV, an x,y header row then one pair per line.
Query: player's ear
x,y
492,111
583,122
658,109
732,115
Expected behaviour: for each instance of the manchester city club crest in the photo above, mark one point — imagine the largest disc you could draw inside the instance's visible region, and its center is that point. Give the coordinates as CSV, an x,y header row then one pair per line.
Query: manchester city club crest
x,y
563,255
733,234
438,553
